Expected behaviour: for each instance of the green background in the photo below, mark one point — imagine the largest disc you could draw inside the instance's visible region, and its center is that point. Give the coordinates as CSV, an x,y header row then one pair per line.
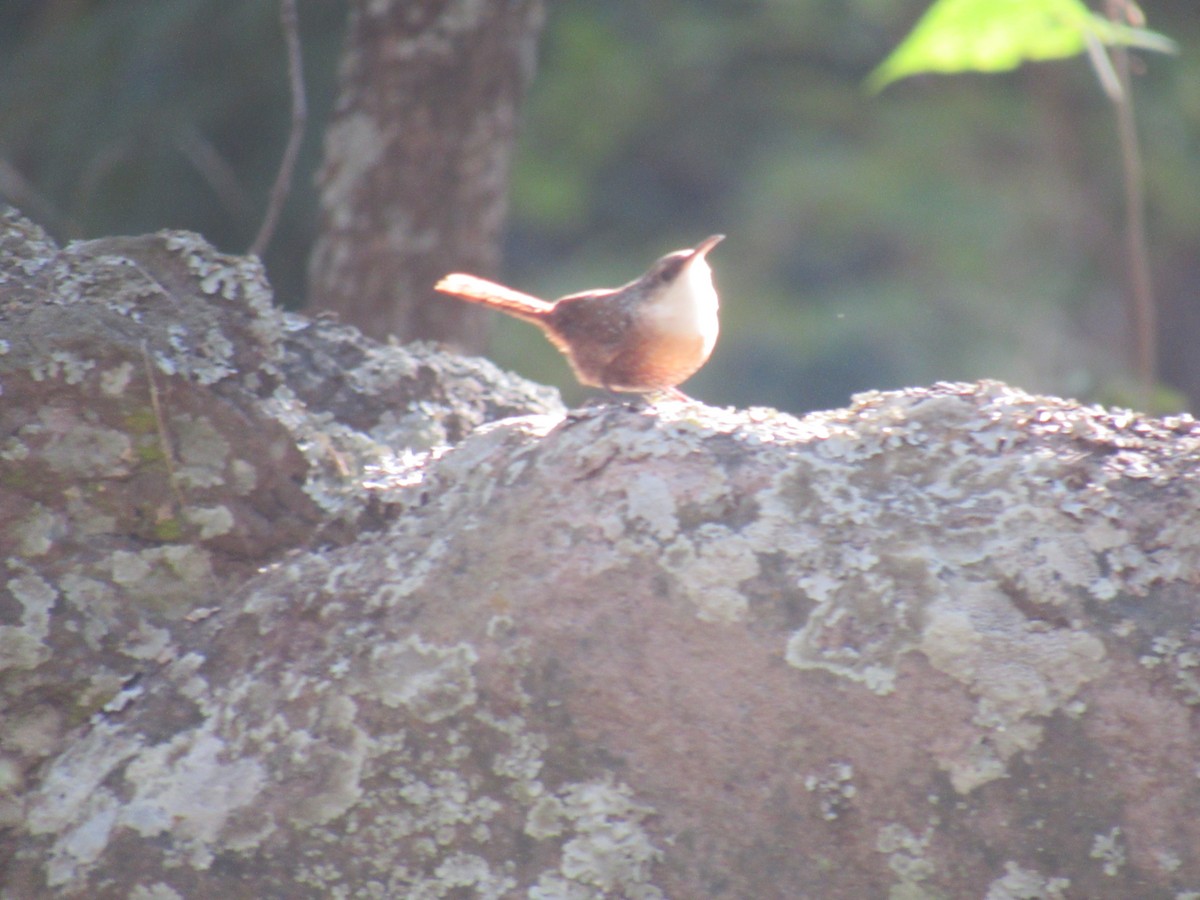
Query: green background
x,y
950,228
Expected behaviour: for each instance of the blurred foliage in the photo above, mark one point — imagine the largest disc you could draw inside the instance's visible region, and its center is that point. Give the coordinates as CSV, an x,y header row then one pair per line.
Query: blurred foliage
x,y
947,229
125,117
997,35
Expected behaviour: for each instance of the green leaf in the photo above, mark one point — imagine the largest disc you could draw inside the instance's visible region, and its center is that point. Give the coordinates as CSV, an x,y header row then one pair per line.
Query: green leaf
x,y
997,35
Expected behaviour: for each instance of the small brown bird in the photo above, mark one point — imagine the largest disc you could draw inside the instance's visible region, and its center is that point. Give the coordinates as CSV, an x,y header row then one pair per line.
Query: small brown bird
x,y
647,336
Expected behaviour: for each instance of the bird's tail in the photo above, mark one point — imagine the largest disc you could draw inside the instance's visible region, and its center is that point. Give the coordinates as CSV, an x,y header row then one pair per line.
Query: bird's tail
x,y
480,290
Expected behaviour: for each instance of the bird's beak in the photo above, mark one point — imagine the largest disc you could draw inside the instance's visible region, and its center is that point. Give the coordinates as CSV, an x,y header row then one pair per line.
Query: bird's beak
x,y
707,244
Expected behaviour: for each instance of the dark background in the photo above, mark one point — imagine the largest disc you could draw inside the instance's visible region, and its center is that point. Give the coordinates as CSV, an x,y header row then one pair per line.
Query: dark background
x,y
950,228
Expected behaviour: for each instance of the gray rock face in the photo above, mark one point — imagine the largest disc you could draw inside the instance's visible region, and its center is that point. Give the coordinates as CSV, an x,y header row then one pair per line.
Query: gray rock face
x,y
287,613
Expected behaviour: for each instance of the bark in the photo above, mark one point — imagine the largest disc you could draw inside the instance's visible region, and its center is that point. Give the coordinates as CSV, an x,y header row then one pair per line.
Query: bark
x,y
941,643
416,167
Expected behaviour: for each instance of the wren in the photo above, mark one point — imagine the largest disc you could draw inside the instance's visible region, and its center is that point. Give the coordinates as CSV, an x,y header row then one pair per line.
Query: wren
x,y
647,336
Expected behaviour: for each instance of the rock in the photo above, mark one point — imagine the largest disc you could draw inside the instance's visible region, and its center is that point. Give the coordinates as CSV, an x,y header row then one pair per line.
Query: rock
x,y
942,643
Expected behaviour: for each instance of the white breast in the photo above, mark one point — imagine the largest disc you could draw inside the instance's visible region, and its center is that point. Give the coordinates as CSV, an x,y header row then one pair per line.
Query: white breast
x,y
689,306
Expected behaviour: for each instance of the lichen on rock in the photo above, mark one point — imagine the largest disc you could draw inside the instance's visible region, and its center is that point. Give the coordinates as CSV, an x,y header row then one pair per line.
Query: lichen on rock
x,y
289,613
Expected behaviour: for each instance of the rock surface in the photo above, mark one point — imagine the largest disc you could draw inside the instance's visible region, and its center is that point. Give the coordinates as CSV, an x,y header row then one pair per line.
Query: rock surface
x,y
282,616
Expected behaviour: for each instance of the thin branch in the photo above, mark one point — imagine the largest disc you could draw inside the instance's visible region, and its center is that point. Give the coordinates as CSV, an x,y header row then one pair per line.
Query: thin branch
x,y
16,189
100,166
214,169
1143,313
164,446
164,442
290,21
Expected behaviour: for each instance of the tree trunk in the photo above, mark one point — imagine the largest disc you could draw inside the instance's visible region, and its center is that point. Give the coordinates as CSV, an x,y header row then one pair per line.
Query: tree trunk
x,y
416,166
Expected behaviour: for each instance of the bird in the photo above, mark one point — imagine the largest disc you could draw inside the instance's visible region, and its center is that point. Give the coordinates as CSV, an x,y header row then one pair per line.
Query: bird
x,y
647,336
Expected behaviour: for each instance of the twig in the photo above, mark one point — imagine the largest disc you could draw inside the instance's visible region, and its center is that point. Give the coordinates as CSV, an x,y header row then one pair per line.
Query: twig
x,y
214,169
164,445
164,442
20,192
1143,313
99,166
290,20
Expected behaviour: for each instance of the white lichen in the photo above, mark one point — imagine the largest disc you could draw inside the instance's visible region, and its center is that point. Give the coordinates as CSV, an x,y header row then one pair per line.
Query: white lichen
x,y
70,446
906,852
114,381
203,451
1109,848
40,531
167,778
23,646
834,788
432,682
1026,884
156,891
709,566
609,849
650,504
210,521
